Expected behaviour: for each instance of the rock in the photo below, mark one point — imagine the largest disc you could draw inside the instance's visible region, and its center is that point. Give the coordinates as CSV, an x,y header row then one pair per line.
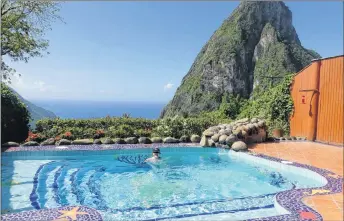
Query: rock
x,y
244,120
215,137
254,120
256,31
211,143
96,136
287,138
30,143
220,145
204,142
228,132
195,138
245,128
97,141
119,141
243,133
10,144
239,146
63,142
156,140
107,141
237,132
184,139
208,133
271,139
170,140
222,132
222,139
293,138
47,142
229,128
214,129
231,139
82,142
261,123
131,140
144,140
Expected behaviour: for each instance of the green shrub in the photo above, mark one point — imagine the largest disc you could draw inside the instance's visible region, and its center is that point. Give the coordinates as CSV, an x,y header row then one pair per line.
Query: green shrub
x,y
14,117
275,105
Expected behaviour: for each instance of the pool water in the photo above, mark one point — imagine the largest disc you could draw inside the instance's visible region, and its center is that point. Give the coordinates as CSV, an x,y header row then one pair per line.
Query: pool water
x,y
200,183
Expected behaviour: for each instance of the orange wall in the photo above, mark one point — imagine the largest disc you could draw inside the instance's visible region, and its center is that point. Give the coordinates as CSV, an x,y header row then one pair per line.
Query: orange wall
x,y
330,112
321,117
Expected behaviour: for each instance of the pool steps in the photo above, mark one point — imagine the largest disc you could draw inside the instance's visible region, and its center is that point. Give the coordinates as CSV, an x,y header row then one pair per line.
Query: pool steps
x,y
52,176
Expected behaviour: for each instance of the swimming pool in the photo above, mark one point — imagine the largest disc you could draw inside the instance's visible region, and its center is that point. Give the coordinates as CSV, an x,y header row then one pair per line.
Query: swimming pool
x,y
189,183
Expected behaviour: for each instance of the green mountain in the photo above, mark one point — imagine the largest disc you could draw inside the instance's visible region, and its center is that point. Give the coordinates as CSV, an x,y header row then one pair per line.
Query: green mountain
x,y
36,112
256,42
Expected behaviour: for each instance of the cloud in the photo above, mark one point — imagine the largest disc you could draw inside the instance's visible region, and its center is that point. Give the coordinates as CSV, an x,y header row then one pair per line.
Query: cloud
x,y
168,86
41,85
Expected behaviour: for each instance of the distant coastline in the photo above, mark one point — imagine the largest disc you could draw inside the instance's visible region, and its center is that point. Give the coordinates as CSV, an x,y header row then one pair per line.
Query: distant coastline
x,y
96,109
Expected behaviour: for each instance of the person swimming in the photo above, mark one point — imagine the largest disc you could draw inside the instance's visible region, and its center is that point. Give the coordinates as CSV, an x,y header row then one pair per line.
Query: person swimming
x,y
156,156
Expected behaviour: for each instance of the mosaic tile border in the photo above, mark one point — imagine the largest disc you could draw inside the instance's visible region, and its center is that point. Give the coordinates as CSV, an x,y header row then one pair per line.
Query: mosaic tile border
x,y
67,213
290,200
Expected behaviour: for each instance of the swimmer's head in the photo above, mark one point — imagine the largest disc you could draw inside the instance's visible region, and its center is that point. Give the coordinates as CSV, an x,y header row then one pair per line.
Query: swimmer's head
x,y
156,152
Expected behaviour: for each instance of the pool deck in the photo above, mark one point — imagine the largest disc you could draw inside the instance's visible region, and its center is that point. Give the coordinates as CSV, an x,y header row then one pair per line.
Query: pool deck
x,y
314,154
324,159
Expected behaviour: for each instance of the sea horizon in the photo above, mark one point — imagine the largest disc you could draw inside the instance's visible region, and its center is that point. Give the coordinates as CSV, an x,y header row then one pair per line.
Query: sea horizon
x,y
88,109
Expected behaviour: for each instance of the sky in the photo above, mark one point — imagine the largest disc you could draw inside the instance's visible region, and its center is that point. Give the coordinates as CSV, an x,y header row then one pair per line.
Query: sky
x,y
140,51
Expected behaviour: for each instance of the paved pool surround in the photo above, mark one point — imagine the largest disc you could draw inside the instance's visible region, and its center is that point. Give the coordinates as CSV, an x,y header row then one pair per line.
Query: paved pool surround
x,y
290,200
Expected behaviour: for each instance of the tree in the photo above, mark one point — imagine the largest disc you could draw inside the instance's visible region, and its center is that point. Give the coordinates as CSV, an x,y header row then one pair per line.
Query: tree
x,y
14,117
23,24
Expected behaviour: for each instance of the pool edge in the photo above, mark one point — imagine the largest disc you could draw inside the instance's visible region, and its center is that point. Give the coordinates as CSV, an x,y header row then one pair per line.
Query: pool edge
x,y
291,200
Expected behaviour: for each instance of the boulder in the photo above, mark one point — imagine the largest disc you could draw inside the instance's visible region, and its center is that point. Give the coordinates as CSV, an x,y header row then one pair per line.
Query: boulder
x,y
30,143
215,137
63,142
222,132
82,142
10,144
156,140
208,133
214,129
204,142
261,123
220,145
170,140
97,141
211,143
254,120
237,132
195,138
47,142
184,139
144,140
239,146
222,139
131,140
231,139
244,120
119,141
107,141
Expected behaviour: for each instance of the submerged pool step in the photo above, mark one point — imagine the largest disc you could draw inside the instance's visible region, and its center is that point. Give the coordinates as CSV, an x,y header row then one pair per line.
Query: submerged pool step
x,y
195,209
66,184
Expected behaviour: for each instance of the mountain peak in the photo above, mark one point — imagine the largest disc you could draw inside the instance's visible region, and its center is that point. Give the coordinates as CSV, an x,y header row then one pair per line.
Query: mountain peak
x,y
256,36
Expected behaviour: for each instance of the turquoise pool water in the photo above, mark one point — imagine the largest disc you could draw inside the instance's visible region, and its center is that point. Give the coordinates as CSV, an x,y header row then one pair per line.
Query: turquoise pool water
x,y
190,183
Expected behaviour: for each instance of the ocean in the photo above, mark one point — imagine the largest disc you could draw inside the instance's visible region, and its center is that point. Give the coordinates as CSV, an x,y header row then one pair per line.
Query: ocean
x,y
97,109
